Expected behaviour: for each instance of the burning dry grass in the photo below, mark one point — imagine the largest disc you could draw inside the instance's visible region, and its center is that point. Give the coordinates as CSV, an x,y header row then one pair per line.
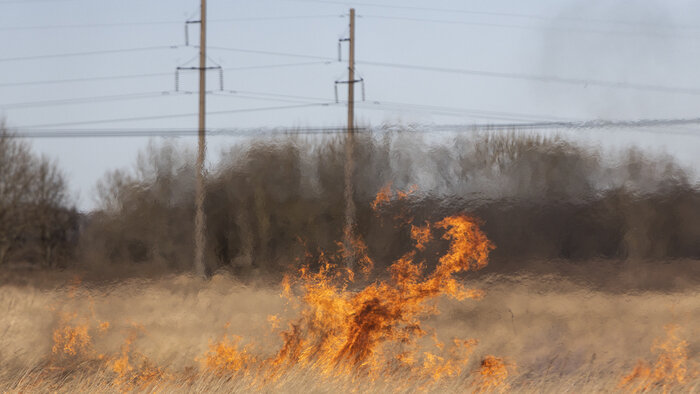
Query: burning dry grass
x,y
563,337
671,368
327,330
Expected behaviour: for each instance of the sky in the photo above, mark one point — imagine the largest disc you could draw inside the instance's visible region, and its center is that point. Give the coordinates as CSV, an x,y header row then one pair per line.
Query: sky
x,y
431,62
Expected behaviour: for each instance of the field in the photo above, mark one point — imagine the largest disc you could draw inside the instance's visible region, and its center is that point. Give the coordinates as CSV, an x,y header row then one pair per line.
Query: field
x,y
528,265
552,335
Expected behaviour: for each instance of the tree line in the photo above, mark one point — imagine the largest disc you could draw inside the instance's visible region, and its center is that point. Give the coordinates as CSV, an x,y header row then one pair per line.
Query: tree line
x,y
273,202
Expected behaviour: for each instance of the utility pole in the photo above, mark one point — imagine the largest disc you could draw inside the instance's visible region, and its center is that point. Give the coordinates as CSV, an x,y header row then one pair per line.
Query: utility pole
x,y
351,75
199,221
349,230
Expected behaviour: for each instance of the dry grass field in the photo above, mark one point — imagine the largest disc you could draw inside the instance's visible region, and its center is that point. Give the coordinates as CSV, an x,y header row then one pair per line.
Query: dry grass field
x,y
177,334
592,288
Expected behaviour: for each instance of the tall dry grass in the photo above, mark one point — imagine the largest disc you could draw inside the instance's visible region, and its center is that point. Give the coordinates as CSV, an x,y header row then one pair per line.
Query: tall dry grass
x,y
562,336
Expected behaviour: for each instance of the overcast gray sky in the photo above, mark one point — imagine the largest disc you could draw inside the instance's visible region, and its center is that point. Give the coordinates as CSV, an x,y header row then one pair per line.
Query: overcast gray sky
x,y
466,60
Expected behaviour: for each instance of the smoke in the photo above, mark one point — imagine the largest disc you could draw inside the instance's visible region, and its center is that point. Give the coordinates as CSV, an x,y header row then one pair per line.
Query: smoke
x,y
630,42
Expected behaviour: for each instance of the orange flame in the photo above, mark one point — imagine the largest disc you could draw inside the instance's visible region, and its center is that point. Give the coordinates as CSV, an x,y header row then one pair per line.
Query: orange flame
x,y
670,369
356,251
73,343
225,356
421,235
133,370
71,340
376,330
342,330
493,374
385,195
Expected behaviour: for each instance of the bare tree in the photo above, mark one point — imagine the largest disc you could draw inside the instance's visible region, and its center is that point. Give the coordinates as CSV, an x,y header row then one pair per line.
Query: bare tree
x,y
51,216
34,201
15,183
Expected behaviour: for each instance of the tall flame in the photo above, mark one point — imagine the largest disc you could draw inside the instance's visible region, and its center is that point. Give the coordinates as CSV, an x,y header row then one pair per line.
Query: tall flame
x,y
376,330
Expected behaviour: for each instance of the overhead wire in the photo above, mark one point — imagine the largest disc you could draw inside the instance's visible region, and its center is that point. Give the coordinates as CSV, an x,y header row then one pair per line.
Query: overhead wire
x,y
277,97
163,132
173,116
644,125
90,53
461,112
32,1
396,106
82,100
494,74
502,14
159,74
507,75
540,78
571,29
273,53
155,23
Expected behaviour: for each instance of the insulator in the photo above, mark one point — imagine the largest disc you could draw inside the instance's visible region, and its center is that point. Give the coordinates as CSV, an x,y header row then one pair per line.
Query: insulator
x,y
363,88
221,78
177,80
336,92
340,50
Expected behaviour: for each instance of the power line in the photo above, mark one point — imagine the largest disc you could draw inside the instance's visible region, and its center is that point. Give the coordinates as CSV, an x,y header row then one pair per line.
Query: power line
x,y
452,111
155,23
277,97
644,33
501,14
32,1
90,53
136,96
388,105
238,93
585,124
257,97
173,116
80,100
161,132
493,74
327,60
87,79
540,78
262,52
160,74
644,125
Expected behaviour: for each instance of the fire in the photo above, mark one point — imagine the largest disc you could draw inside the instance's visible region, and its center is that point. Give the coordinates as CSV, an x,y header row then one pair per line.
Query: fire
x,y
385,196
134,370
226,357
420,235
343,330
71,339
492,375
670,369
73,343
372,330
376,330
382,198
355,249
